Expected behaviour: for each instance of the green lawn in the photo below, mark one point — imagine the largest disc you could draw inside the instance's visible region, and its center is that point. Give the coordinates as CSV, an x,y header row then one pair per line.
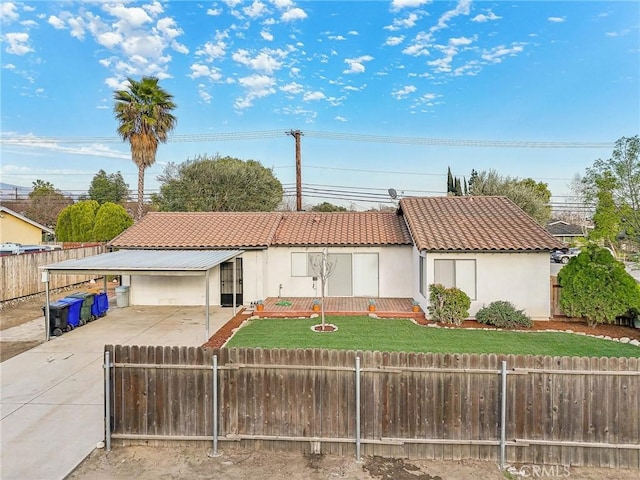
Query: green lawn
x,y
364,333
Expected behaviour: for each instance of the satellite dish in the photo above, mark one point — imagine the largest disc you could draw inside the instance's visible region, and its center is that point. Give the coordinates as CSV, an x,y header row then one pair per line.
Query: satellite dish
x,y
392,193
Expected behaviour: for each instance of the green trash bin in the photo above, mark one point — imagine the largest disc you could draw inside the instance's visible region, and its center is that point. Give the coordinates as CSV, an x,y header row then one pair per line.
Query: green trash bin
x,y
88,298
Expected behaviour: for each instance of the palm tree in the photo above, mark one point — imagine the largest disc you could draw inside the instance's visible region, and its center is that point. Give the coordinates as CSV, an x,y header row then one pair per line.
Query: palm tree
x,y
144,113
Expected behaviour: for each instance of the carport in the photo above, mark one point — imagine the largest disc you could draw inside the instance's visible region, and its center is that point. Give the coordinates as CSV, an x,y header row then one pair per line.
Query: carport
x,y
144,262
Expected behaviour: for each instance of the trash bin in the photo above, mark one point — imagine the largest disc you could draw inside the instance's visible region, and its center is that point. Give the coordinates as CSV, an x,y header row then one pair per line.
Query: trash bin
x,y
73,318
87,312
122,296
102,302
58,315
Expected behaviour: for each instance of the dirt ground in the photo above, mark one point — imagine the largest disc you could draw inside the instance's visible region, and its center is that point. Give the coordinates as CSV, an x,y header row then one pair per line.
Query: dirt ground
x,y
19,312
152,463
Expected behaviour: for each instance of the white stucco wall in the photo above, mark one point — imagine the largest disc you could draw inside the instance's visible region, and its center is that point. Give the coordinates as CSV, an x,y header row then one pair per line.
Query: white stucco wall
x,y
520,278
395,267
183,290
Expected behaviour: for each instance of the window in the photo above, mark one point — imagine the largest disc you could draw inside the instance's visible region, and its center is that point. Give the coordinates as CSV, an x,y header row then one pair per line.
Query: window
x,y
302,264
456,273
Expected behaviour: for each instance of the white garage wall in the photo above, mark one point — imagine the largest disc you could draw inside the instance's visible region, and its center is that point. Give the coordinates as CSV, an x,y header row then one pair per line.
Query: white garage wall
x,y
395,274
520,278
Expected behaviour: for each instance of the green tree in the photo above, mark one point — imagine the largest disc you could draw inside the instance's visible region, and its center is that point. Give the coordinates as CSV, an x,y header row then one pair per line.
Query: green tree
x,y
111,221
531,196
45,203
607,217
617,180
596,287
450,182
145,120
108,188
75,223
218,184
327,207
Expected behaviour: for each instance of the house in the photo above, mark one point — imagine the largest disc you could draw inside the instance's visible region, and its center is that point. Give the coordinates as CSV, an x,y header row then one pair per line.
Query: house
x,y
566,232
487,246
16,228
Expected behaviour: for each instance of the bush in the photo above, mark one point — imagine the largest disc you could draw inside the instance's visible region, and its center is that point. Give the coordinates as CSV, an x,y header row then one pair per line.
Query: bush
x,y
596,287
503,314
448,305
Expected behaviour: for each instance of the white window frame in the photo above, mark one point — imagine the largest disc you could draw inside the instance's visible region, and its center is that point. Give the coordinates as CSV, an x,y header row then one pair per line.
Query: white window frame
x,y
465,281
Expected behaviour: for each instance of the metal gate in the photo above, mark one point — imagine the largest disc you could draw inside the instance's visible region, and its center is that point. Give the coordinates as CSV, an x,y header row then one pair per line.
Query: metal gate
x,y
226,283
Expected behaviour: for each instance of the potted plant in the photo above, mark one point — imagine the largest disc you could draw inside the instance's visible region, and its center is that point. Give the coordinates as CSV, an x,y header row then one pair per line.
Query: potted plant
x,y
415,306
259,306
372,305
315,306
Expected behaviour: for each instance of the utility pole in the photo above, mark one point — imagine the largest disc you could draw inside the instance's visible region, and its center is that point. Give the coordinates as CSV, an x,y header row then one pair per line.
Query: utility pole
x,y
296,134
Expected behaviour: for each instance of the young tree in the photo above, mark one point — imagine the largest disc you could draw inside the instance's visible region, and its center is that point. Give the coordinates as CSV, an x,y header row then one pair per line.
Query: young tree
x,y
145,120
327,207
218,184
322,268
450,182
619,175
108,188
88,221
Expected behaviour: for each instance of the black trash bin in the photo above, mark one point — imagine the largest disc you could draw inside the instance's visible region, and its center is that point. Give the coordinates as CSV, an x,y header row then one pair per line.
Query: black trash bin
x,y
58,317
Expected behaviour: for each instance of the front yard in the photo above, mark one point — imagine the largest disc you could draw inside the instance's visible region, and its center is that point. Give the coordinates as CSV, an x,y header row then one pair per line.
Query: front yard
x,y
401,335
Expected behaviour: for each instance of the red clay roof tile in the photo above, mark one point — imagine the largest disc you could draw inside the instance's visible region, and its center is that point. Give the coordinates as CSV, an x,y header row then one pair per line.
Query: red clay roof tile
x,y
473,223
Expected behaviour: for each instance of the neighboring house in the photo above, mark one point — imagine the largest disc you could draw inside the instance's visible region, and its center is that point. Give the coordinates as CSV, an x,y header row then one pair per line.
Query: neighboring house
x,y
487,246
16,228
566,232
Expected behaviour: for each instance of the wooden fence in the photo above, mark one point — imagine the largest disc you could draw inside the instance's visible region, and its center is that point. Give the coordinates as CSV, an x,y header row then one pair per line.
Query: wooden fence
x,y
558,411
20,275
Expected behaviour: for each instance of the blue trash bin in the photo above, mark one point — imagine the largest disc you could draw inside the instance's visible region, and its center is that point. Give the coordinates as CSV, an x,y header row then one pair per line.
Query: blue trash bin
x,y
102,303
75,305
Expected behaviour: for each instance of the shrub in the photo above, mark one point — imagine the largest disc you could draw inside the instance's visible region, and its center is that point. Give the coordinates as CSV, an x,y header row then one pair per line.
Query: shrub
x,y
596,287
448,305
503,314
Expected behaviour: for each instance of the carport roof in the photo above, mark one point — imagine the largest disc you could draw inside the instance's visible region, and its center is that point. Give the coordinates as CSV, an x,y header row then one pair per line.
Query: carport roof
x,y
146,262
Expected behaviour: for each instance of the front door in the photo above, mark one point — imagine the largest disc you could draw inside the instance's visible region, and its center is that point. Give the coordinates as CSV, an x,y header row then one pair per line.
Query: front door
x,y
226,283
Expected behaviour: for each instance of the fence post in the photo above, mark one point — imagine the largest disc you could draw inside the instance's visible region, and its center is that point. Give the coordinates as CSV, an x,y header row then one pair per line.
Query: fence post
x,y
503,414
214,451
107,400
358,409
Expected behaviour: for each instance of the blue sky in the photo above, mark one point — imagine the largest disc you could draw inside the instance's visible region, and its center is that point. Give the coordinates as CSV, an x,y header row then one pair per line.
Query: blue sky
x,y
375,71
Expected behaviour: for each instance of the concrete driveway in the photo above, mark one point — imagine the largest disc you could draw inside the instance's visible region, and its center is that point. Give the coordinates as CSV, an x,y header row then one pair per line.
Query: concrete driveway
x,y
51,398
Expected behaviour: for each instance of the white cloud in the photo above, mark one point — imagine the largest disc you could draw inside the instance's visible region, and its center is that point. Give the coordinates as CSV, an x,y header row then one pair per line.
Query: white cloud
x,y
408,22
57,22
257,86
293,14
266,36
496,54
8,12
214,12
29,23
340,118
265,61
313,96
212,51
18,43
180,47
621,33
9,66
294,72
109,39
336,37
77,26
403,92
400,4
198,70
167,26
481,18
456,42
556,19
393,41
255,10
353,32
356,65
462,8
292,88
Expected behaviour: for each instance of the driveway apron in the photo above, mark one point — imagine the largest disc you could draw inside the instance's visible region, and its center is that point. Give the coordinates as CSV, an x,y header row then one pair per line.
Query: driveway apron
x,y
51,400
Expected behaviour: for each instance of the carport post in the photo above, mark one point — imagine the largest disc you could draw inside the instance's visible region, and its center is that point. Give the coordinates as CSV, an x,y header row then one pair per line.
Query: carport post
x,y
235,263
47,312
206,313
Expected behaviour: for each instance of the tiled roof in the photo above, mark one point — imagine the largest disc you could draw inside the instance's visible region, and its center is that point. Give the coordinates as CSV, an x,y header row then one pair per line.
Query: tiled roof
x,y
473,223
200,230
564,229
342,228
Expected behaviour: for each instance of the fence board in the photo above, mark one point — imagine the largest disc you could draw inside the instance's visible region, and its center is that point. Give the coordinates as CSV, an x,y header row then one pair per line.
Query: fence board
x,y
557,404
